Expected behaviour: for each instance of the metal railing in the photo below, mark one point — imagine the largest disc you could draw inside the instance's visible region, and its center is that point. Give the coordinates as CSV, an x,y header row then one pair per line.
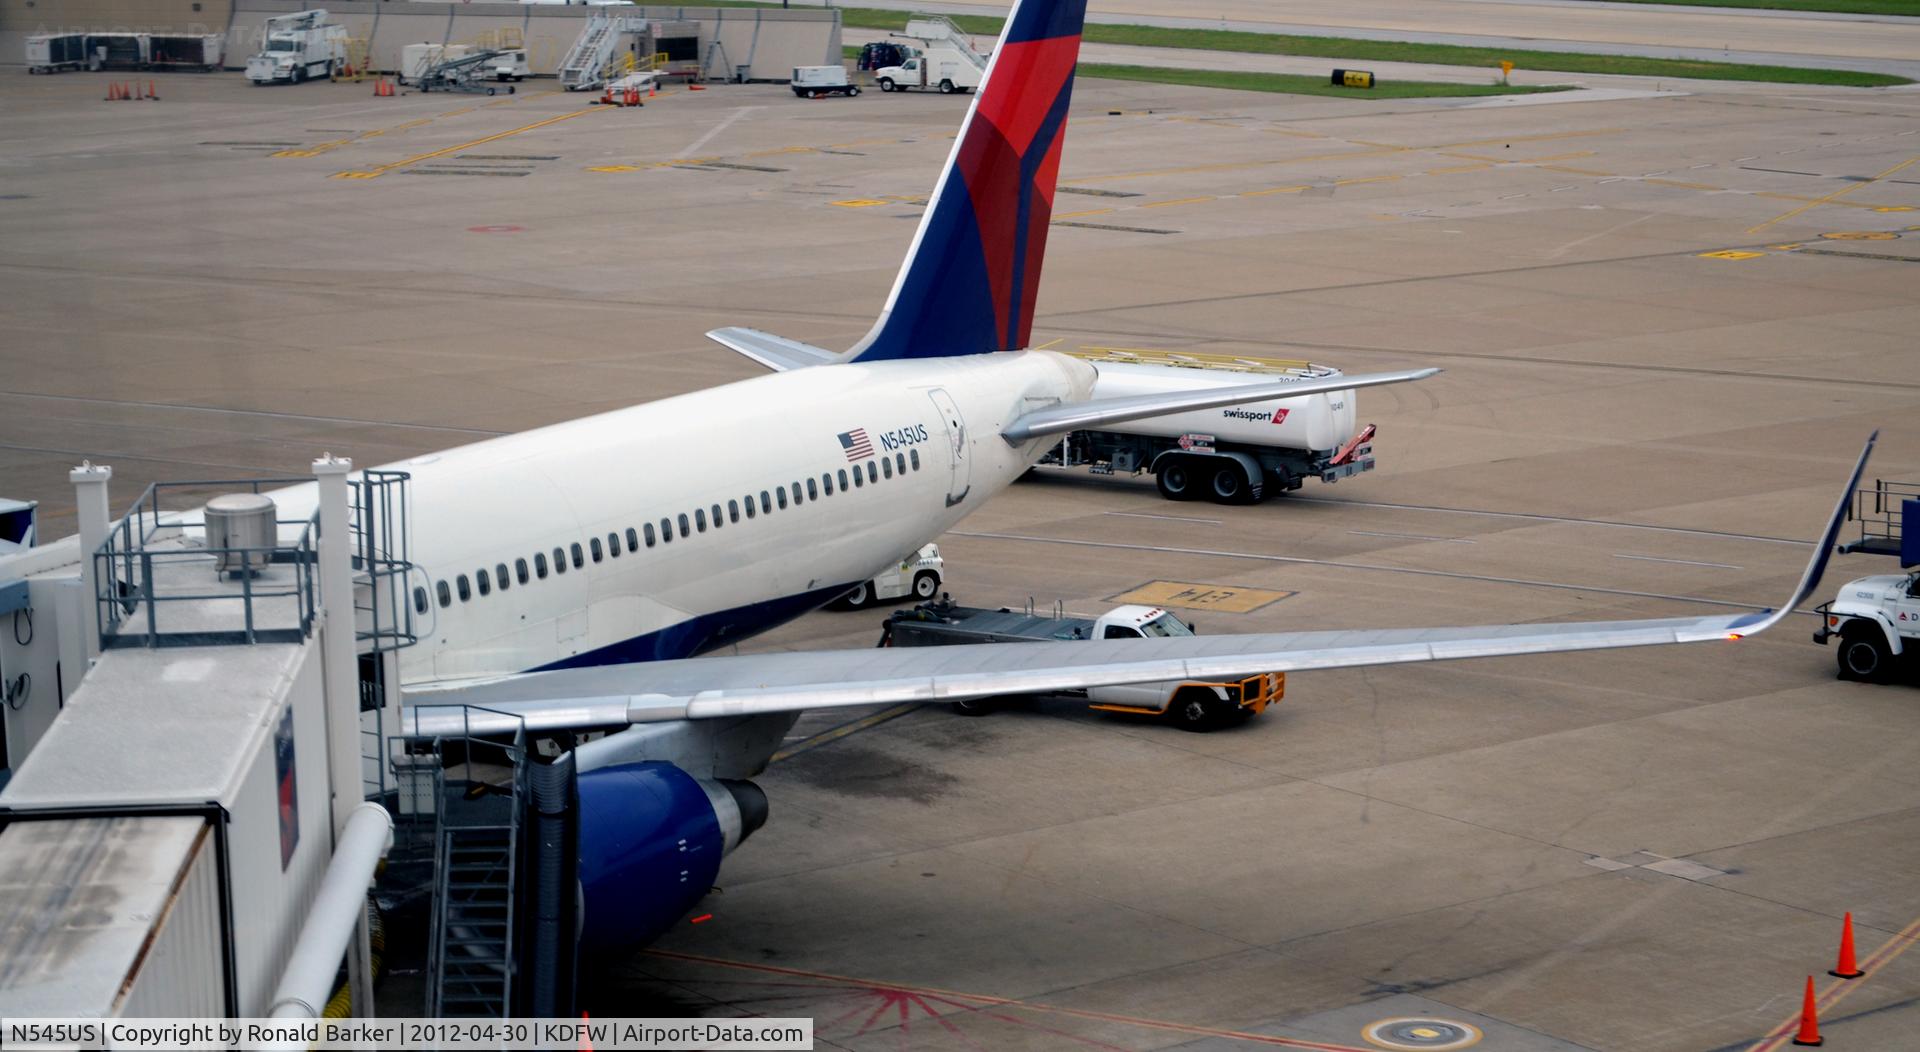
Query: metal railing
x,y
1877,508
378,516
128,569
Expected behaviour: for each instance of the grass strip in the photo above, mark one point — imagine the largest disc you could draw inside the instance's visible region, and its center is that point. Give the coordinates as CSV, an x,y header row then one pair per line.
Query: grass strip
x,y
1299,84
1825,7
1354,49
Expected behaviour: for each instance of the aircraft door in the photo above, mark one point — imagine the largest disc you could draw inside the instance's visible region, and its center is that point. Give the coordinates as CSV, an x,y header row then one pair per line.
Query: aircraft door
x,y
961,479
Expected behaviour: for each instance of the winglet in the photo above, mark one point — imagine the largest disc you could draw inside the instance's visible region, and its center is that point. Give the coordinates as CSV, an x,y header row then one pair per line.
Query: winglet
x,y
1822,553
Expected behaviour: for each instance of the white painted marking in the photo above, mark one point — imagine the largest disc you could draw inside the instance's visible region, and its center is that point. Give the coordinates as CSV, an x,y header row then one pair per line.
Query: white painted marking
x,y
1170,518
1577,242
715,130
1677,562
1680,867
1606,863
1413,536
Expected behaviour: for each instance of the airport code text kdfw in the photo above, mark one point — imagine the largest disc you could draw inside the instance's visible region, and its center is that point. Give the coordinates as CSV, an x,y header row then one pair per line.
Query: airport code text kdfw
x,y
604,1035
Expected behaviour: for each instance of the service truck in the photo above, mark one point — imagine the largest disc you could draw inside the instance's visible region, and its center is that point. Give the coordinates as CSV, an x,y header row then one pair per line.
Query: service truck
x,y
1195,705
299,46
811,82
1877,618
1236,455
940,57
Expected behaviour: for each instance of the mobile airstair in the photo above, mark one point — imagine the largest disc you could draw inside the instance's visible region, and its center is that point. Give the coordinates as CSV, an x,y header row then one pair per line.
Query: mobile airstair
x,y
585,65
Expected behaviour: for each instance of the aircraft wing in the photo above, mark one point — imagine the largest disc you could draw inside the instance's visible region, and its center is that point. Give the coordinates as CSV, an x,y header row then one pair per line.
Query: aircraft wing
x,y
1075,416
745,685
775,352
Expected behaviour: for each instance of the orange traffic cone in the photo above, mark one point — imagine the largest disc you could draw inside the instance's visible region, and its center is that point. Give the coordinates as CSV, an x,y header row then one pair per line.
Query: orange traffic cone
x,y
1846,968
1809,1034
152,94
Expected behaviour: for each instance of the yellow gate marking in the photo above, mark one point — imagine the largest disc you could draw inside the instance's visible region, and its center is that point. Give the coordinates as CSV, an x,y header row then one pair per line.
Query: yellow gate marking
x,y
1731,253
1849,188
375,173
1231,598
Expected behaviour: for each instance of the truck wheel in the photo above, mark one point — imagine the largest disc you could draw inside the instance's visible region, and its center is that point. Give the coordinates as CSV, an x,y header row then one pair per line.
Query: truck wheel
x,y
1864,656
1194,709
1230,485
858,599
946,87
854,90
974,707
926,584
1175,479
886,84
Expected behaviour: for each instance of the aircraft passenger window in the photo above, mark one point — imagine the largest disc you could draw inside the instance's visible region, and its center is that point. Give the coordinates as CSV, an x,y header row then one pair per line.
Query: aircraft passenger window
x,y
886,467
1120,632
594,542
446,597
633,540
419,600
766,502
843,480
466,590
649,528
916,459
873,473
813,491
579,557
826,482
858,479
485,587
520,570
749,499
900,461
500,574
613,544
559,560
733,511
700,519
684,532
666,529
781,494
717,520
540,564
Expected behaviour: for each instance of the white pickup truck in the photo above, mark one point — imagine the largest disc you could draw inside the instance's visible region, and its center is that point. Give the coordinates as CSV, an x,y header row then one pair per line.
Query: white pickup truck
x,y
1188,704
1877,620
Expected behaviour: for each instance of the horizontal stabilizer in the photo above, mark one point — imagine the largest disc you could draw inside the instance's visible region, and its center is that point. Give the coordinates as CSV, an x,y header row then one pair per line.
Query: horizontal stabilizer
x,y
1077,416
756,684
775,352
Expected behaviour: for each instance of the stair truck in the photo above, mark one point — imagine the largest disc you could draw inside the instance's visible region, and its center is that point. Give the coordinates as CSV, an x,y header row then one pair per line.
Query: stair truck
x,y
1189,705
1236,455
299,46
940,57
1877,619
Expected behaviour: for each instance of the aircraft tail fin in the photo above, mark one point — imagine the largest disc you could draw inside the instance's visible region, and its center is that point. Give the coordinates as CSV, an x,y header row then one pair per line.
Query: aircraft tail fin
x,y
969,280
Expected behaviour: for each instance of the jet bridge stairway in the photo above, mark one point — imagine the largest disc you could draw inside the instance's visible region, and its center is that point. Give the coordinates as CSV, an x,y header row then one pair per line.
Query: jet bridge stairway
x,y
472,948
585,65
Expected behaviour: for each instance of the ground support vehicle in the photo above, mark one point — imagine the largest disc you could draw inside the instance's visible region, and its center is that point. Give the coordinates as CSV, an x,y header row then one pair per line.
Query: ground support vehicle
x,y
300,46
54,52
811,82
1877,619
1190,705
940,57
1236,455
917,576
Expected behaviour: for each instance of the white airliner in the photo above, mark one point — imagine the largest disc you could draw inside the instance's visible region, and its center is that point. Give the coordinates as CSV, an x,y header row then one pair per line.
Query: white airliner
x,y
571,574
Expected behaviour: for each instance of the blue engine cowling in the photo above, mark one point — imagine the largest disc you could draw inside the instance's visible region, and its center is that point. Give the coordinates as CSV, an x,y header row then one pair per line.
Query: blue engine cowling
x,y
651,840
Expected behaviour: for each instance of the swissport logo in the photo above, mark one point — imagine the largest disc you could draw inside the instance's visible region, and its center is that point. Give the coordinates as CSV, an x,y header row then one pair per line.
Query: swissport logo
x,y
1279,415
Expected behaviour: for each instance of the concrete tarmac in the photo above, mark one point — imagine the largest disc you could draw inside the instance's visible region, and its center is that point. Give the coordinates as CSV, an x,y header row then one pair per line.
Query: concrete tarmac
x,y
1667,324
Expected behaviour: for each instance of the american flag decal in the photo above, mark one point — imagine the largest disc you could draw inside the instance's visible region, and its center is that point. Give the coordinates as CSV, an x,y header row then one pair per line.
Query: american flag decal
x,y
855,443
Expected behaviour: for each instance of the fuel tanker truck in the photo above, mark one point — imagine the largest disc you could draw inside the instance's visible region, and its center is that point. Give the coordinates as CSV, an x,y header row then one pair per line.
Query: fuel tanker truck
x,y
1235,455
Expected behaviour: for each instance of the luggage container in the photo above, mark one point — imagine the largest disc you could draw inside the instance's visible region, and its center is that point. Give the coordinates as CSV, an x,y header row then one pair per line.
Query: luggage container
x,y
54,52
179,51
117,50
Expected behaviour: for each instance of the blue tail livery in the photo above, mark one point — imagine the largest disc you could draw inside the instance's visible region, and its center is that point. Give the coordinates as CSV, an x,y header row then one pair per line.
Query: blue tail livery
x,y
969,281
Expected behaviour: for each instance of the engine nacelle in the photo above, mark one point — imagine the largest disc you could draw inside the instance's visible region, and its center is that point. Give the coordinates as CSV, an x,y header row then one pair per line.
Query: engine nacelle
x,y
651,840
